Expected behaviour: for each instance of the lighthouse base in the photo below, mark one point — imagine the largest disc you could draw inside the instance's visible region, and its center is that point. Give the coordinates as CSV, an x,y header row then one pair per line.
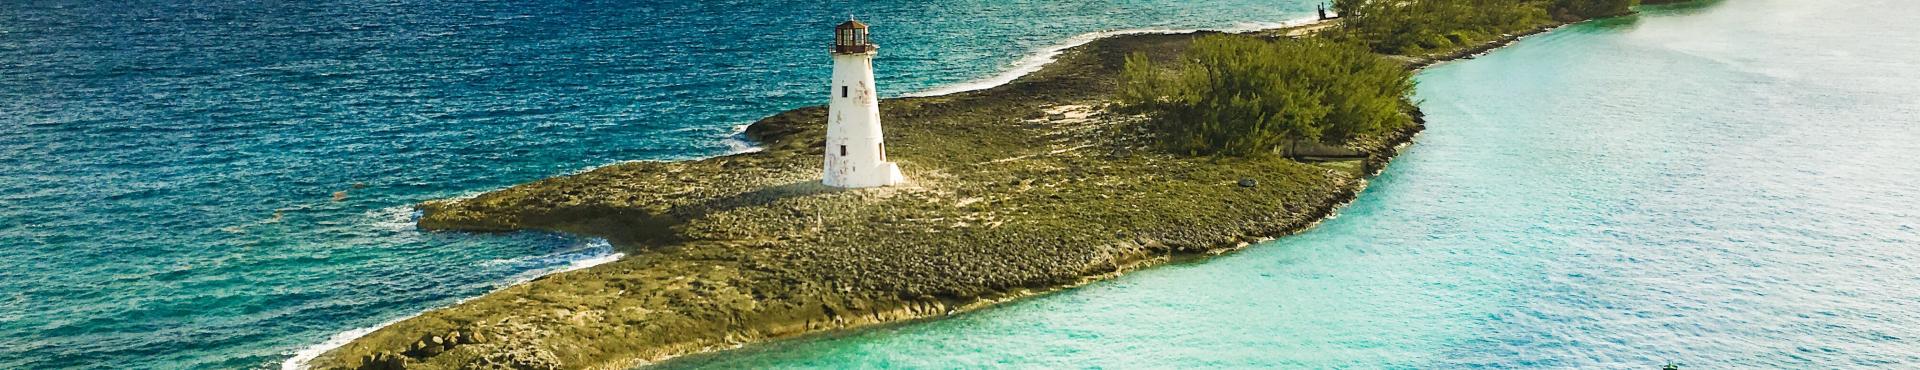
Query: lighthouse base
x,y
882,174
893,174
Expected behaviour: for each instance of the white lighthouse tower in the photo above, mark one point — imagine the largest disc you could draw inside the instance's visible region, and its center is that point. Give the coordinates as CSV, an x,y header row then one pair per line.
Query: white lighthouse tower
x,y
856,151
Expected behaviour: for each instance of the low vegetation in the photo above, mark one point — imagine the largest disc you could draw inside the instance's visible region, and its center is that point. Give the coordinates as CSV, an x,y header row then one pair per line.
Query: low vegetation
x,y
1242,95
1414,27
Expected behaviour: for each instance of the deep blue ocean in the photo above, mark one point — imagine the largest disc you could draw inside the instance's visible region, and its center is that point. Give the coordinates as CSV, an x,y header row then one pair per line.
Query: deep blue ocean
x,y
169,169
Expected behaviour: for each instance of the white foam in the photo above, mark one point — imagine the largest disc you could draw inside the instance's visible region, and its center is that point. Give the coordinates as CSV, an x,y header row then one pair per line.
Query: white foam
x,y
608,255
304,355
1043,56
470,195
737,142
396,218
597,251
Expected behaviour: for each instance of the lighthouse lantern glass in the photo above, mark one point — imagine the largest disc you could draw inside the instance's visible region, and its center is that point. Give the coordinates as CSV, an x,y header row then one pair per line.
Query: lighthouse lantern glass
x,y
849,38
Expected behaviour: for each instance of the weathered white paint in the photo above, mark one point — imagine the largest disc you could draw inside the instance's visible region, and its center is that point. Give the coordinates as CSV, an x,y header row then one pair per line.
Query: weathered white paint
x,y
855,152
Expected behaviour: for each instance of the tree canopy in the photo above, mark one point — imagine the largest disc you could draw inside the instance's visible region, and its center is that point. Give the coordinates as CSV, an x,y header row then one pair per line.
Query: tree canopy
x,y
1242,95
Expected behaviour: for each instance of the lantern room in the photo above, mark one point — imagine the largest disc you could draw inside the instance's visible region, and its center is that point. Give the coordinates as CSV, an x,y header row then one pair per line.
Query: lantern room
x,y
851,38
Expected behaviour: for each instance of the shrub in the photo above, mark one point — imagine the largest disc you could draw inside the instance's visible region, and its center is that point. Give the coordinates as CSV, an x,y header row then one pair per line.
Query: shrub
x,y
1240,95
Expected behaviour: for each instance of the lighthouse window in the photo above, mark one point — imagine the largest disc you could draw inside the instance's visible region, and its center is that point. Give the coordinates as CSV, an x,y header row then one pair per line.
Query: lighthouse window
x,y
843,91
843,150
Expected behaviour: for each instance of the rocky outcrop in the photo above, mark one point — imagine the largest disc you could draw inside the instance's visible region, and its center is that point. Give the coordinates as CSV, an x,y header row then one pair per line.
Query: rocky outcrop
x,y
1016,190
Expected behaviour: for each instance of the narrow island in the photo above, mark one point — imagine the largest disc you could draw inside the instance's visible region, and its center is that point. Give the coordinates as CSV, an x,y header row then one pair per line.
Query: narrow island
x,y
1125,152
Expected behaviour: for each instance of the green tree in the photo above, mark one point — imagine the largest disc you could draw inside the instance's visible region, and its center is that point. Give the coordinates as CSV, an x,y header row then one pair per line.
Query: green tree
x,y
1240,95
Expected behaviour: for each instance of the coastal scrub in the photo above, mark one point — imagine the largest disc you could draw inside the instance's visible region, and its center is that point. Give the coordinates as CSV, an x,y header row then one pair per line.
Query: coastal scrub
x,y
1419,27
1241,95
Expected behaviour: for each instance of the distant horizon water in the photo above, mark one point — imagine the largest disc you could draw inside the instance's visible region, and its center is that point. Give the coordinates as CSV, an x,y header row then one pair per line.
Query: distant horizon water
x,y
173,166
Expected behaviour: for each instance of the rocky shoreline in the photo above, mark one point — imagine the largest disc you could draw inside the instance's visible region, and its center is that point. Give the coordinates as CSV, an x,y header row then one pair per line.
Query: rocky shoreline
x,y
1017,190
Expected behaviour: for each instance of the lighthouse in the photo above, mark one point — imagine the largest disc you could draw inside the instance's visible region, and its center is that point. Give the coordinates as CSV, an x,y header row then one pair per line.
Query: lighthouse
x,y
856,152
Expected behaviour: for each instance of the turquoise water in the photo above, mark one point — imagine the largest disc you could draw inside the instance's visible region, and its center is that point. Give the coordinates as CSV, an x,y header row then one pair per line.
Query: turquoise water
x,y
1724,186
168,167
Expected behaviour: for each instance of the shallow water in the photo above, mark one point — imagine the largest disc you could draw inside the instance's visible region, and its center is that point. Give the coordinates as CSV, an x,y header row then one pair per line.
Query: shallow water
x,y
1727,185
168,168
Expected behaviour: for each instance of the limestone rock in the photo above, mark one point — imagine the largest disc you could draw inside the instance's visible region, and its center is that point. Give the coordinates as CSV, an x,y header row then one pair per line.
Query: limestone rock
x,y
384,361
